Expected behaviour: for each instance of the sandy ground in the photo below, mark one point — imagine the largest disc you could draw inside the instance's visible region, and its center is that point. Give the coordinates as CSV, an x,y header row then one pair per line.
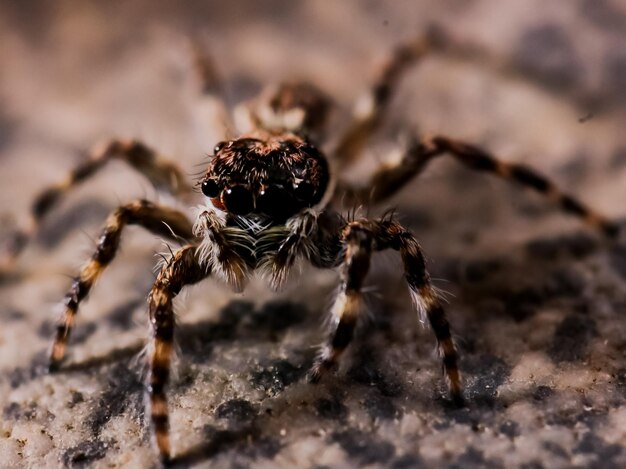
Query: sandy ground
x,y
537,300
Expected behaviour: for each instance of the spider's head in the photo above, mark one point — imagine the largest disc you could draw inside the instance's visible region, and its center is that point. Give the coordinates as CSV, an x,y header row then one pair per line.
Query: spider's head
x,y
272,175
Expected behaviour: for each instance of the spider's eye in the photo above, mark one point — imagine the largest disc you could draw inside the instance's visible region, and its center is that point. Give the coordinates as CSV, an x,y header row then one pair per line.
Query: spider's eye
x,y
219,147
304,191
238,200
276,201
210,188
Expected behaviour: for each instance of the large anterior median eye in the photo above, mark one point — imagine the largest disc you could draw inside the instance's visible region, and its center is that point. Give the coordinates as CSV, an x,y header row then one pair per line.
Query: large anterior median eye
x,y
238,200
304,191
276,202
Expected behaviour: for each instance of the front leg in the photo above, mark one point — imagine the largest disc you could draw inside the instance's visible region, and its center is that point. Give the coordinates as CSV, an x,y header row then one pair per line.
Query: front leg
x,y
183,269
160,220
393,235
358,250
360,239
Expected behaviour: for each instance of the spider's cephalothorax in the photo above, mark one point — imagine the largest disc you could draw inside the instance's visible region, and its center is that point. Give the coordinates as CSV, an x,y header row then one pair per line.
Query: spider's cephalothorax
x,y
266,174
271,203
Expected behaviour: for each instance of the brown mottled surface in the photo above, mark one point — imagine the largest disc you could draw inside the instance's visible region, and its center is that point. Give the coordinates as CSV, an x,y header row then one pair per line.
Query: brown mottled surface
x,y
538,302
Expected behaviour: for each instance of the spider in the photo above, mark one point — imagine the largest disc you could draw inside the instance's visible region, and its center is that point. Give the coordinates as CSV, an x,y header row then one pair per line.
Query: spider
x,y
271,198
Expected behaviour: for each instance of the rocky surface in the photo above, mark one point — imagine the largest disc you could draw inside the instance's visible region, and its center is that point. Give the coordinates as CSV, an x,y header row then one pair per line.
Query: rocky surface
x,y
538,302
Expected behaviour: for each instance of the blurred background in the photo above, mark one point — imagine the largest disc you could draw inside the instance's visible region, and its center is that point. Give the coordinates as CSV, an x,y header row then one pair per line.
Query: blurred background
x,y
530,285
78,73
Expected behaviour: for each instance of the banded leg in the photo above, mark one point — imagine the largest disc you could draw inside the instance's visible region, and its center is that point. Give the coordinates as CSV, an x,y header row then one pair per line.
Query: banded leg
x,y
162,221
183,269
370,109
358,241
211,87
393,235
361,237
162,173
389,179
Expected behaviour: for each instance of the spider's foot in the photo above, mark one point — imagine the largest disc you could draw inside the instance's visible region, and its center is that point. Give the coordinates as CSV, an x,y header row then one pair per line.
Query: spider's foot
x,y
319,369
166,459
162,440
54,366
458,400
11,250
611,229
56,357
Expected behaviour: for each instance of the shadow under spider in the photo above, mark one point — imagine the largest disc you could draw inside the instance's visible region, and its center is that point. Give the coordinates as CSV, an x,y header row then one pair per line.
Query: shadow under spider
x,y
238,319
247,441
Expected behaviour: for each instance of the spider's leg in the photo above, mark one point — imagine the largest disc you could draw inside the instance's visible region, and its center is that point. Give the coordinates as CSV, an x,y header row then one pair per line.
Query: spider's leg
x,y
480,160
183,269
162,173
163,221
221,252
393,235
358,249
211,87
361,238
389,179
370,109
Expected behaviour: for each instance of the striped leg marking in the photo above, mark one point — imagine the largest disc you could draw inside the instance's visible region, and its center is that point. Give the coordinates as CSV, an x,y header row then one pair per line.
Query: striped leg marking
x,y
480,160
361,238
389,179
158,220
358,241
183,269
371,107
392,235
162,173
211,86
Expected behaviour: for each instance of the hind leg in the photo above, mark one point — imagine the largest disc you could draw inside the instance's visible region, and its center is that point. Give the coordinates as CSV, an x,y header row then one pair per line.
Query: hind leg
x,y
348,305
370,109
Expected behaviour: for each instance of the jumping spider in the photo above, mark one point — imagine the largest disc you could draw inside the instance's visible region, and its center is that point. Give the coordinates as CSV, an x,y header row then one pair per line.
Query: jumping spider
x,y
269,197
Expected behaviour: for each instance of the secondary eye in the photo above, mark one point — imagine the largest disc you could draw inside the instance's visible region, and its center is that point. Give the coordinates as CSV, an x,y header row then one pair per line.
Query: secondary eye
x,y
210,188
219,147
276,202
238,200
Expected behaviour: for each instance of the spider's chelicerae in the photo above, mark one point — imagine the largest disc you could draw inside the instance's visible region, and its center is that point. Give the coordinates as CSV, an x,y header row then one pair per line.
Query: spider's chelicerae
x,y
270,194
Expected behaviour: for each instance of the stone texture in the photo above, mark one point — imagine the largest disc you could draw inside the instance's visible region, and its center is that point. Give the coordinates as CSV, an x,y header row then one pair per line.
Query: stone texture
x,y
537,301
